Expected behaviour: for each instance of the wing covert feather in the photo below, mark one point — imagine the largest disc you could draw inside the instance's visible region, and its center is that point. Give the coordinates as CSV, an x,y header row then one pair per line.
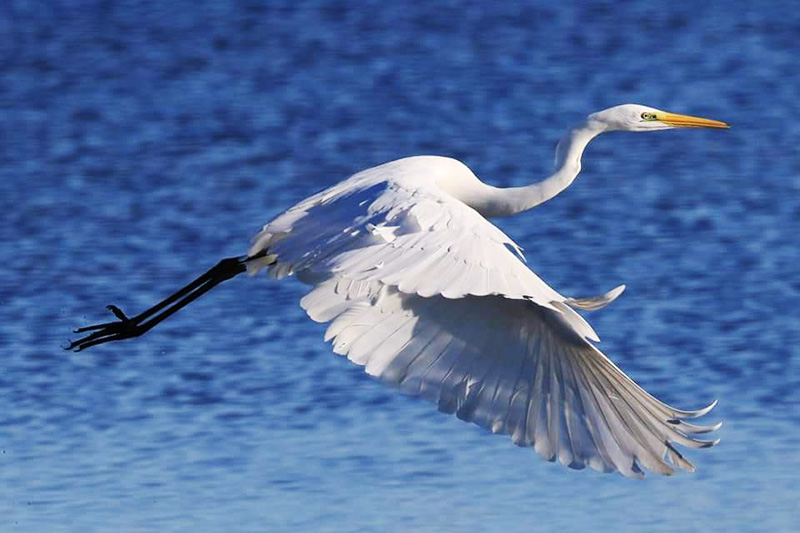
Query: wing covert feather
x,y
396,226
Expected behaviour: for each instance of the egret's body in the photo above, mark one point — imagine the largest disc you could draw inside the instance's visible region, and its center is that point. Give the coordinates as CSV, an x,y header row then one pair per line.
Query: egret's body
x,y
424,292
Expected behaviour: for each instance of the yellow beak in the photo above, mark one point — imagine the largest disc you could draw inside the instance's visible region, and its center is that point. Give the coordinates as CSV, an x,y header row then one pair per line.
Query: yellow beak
x,y
688,121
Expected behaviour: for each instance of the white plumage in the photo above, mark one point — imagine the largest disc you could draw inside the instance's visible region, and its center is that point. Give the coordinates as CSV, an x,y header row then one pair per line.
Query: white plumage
x,y
429,296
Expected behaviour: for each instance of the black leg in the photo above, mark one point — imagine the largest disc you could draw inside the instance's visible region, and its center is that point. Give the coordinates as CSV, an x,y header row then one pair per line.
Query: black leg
x,y
126,328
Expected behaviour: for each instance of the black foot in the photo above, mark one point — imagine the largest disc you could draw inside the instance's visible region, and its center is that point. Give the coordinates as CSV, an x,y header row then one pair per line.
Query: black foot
x,y
124,328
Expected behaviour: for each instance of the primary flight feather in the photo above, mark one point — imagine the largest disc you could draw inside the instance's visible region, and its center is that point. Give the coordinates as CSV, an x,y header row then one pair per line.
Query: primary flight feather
x,y
429,296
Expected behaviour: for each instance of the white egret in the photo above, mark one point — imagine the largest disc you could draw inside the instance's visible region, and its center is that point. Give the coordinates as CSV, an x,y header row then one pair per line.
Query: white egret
x,y
429,296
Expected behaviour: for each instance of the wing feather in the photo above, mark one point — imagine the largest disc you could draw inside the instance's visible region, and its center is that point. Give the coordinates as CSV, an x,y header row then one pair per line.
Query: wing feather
x,y
510,366
435,239
519,405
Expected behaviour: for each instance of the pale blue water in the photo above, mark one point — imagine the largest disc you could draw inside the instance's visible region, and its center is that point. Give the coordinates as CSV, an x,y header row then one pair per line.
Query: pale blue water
x,y
141,143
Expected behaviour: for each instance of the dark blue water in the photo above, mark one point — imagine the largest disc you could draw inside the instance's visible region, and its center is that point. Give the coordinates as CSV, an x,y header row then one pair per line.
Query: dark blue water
x,y
143,141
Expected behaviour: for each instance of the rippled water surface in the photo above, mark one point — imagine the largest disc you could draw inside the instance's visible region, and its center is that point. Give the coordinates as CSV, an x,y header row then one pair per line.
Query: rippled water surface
x,y
142,141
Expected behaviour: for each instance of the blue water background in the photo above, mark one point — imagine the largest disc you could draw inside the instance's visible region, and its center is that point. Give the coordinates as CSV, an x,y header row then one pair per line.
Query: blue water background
x,y
143,141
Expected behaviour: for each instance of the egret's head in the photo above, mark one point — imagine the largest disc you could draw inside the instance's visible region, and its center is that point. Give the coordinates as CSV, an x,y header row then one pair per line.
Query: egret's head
x,y
634,117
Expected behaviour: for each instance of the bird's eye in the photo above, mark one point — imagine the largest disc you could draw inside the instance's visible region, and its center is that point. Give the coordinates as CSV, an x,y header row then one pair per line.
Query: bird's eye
x,y
648,116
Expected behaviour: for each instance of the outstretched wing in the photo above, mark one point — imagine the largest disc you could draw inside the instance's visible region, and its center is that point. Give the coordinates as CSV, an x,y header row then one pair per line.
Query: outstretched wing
x,y
510,366
392,224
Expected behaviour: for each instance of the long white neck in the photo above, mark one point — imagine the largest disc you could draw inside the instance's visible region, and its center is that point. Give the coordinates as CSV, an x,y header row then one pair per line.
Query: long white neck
x,y
498,202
